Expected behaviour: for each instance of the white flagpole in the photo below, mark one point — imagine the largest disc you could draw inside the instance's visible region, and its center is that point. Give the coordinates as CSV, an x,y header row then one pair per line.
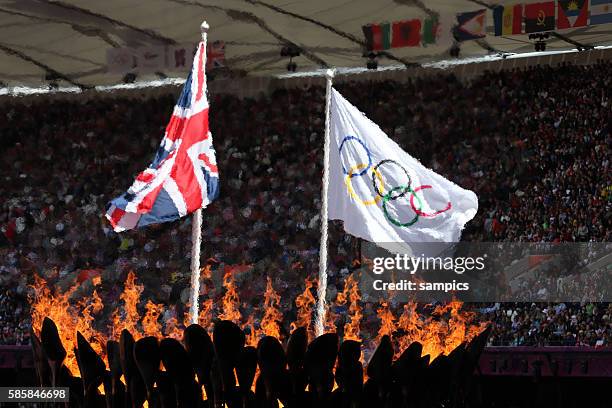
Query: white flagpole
x,y
196,241
322,286
196,238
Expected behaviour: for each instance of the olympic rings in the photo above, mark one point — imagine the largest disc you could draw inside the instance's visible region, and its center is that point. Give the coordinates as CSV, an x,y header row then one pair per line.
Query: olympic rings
x,y
393,194
349,186
364,171
406,190
393,221
421,213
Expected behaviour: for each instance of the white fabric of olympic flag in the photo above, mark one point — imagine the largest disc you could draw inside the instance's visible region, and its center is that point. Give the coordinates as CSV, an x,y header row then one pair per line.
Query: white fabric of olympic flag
x,y
383,194
183,177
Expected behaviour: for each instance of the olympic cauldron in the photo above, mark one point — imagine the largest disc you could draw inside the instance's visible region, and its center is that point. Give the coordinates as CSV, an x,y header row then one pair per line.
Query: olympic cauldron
x,y
221,371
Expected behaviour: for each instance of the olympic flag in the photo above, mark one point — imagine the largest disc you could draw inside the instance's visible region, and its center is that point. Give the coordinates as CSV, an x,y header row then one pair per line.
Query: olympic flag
x,y
383,194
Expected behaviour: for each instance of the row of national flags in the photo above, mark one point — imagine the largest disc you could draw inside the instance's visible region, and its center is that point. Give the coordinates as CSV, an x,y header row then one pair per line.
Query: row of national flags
x,y
508,19
550,15
406,33
421,33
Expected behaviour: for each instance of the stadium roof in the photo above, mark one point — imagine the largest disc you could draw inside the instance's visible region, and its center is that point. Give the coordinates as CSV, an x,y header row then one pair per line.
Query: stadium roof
x,y
70,39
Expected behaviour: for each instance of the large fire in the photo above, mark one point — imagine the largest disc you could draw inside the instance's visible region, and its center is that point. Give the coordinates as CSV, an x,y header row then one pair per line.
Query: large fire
x,y
440,331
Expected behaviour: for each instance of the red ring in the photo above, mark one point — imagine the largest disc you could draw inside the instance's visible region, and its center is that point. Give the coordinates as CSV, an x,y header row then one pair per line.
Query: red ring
x,y
421,213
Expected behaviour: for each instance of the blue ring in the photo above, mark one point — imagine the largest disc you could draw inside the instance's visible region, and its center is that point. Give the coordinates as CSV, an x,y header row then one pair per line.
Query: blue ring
x,y
364,171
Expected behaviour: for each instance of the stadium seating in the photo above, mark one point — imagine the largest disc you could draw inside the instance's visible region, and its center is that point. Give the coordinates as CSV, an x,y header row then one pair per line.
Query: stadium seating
x,y
534,145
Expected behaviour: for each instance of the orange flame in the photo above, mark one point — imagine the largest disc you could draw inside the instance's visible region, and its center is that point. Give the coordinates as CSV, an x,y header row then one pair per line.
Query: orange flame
x,y
351,328
172,329
67,318
205,315
130,297
442,331
150,322
330,320
304,303
71,316
272,318
252,336
387,321
96,339
409,321
231,301
206,272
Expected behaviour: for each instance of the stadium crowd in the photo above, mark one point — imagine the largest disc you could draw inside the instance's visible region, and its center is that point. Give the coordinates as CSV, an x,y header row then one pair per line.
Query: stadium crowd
x,y
534,145
559,324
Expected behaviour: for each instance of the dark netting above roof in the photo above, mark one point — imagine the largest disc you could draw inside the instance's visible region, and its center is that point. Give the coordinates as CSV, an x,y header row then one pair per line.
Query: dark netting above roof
x,y
70,39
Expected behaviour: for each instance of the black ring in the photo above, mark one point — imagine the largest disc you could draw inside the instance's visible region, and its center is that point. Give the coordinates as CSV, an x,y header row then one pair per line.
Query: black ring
x,y
406,189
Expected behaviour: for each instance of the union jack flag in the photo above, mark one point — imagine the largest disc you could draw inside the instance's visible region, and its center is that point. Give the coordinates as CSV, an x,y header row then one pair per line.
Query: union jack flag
x,y
216,55
183,176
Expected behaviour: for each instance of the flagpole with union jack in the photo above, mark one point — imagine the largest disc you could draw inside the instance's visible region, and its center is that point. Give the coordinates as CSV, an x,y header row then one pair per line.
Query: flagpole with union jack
x,y
196,230
183,177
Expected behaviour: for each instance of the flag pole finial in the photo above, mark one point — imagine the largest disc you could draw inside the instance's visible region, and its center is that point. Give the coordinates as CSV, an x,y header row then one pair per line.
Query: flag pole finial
x,y
204,28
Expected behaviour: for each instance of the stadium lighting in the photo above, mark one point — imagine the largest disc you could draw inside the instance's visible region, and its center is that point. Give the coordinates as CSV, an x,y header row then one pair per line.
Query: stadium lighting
x,y
540,44
129,78
291,66
455,50
290,51
372,63
52,78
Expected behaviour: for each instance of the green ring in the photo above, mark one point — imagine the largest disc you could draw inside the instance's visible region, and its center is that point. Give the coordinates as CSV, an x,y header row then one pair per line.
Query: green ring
x,y
388,197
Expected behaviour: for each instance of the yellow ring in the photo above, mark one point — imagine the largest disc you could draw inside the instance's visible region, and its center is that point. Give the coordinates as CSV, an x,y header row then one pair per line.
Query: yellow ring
x,y
349,185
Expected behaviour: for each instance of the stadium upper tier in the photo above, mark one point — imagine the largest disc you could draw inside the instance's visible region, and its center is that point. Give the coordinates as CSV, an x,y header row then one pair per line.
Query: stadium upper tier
x,y
86,43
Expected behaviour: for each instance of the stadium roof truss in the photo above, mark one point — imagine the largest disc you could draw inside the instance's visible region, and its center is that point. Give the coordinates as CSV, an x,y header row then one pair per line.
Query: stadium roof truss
x,y
68,40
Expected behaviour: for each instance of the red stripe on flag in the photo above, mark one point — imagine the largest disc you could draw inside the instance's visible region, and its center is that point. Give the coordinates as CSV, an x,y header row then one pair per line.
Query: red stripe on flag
x,y
377,40
206,160
517,21
145,177
175,126
183,172
200,73
194,129
147,202
116,216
